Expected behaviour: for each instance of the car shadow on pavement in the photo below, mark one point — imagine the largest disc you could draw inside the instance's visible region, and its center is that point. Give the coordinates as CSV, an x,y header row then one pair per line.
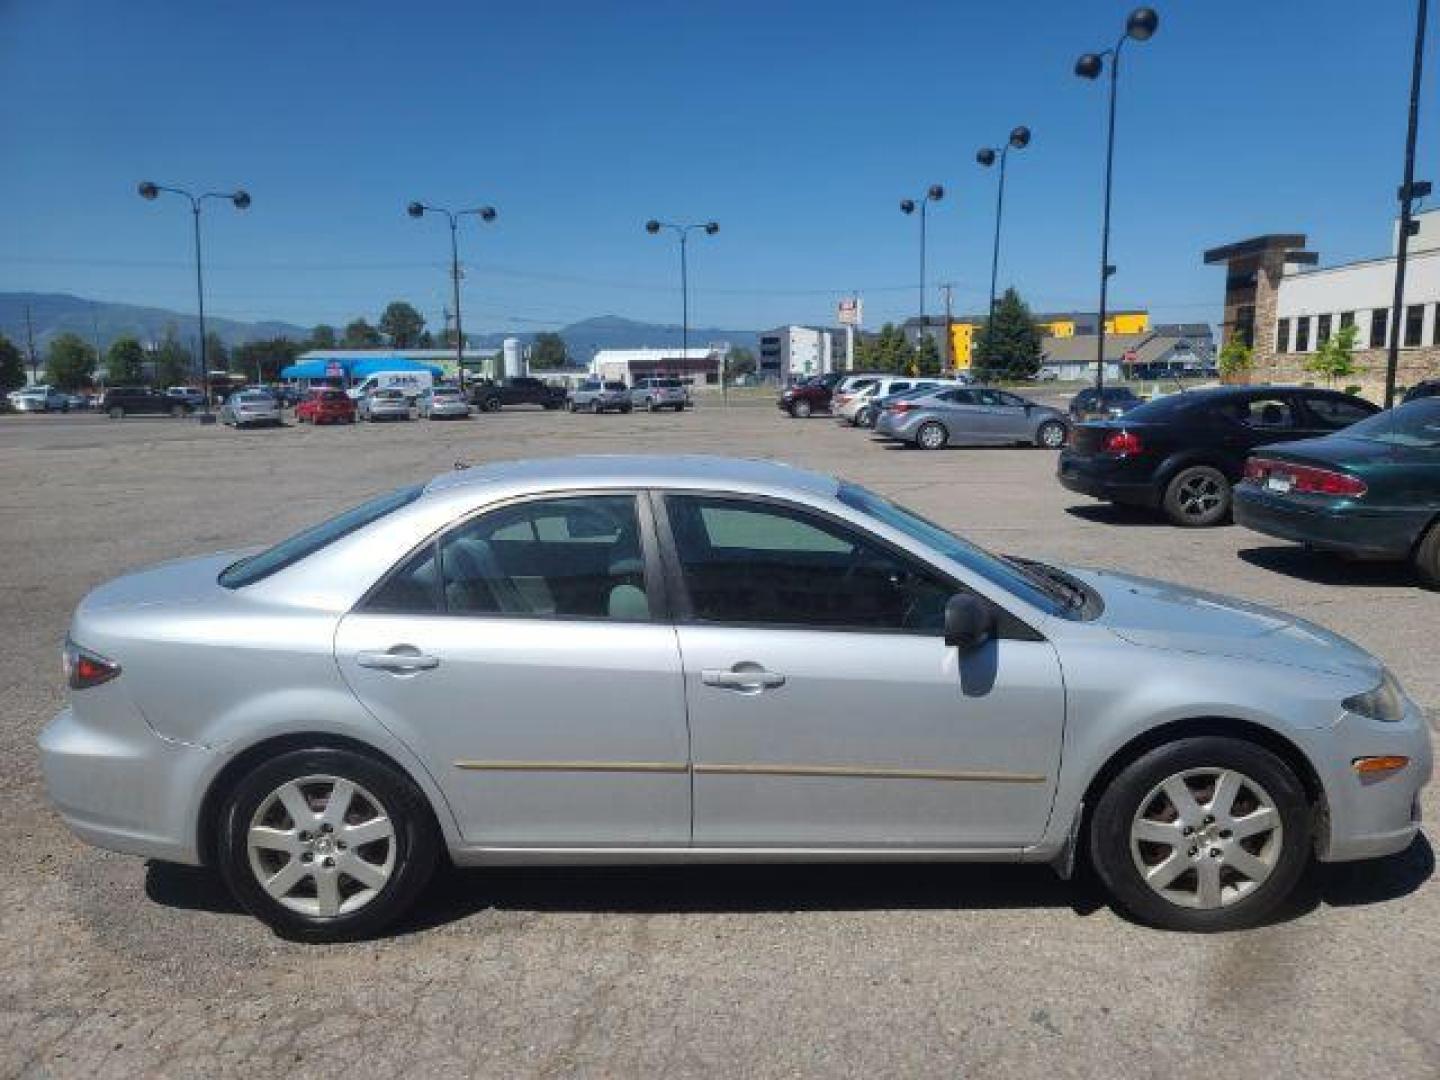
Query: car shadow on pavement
x,y
1119,514
455,894
1320,568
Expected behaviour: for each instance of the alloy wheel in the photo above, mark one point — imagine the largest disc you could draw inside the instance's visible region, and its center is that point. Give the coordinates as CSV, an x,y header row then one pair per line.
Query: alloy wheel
x,y
321,846
1206,838
1199,495
931,436
1052,435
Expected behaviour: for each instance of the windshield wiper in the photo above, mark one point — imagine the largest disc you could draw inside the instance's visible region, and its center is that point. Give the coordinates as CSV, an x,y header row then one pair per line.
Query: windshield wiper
x,y
1055,582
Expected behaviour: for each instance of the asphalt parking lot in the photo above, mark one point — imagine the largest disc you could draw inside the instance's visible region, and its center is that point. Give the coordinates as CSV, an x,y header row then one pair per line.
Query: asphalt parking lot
x,y
112,967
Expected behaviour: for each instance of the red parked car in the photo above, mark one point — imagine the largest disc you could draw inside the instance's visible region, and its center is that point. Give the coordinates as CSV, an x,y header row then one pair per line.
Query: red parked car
x,y
326,407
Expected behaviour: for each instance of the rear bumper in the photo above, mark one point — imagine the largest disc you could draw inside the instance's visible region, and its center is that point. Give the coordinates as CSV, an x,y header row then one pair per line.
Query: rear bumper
x,y
123,788
1102,479
1383,534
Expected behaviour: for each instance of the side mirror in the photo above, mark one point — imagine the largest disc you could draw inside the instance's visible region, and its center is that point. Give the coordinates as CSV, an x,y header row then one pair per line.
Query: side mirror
x,y
969,622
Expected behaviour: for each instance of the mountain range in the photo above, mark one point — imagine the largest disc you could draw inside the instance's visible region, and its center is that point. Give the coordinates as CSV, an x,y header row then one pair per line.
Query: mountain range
x,y
51,314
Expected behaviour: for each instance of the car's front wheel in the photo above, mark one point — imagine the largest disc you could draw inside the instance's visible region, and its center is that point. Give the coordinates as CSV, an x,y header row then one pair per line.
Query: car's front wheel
x,y
865,418
931,436
116,413
1197,496
1202,834
1050,435
326,844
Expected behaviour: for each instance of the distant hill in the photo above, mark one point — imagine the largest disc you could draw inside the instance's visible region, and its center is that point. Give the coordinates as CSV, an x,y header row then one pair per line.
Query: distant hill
x,y
57,313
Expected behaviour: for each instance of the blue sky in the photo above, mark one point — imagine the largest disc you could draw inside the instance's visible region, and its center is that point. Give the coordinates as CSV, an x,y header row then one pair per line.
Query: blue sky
x,y
797,125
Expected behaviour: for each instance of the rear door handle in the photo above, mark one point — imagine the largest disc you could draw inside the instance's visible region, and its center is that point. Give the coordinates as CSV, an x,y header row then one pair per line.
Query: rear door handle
x,y
401,659
752,681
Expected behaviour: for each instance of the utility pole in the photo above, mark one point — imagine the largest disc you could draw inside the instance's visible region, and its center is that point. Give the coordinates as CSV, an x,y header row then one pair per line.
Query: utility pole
x,y
1410,190
30,346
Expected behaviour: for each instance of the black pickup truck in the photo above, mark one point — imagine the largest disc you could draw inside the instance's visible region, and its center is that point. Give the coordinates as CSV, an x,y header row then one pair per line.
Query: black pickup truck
x,y
491,396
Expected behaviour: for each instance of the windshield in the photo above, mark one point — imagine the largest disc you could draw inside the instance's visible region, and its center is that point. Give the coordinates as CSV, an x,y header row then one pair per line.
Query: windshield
x,y
304,544
1036,588
1416,423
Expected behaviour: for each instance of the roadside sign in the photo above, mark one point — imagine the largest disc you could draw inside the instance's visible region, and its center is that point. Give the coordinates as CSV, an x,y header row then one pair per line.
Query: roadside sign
x,y
334,370
849,311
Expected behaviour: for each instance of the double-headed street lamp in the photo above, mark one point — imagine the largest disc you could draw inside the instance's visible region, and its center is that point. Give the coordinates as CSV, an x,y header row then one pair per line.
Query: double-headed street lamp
x,y
484,213
710,228
907,206
1140,26
241,200
987,156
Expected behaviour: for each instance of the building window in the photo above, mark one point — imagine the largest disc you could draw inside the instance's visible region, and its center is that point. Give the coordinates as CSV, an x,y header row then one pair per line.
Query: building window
x,y
1282,336
1378,319
1414,322
1347,318
1322,334
1302,334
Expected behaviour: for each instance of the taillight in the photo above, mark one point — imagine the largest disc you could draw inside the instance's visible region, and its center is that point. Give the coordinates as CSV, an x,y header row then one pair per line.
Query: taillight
x,y
1121,442
84,669
899,406
1305,479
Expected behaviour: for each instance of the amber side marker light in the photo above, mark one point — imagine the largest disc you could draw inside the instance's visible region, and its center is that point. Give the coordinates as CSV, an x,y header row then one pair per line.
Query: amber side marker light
x,y
1372,766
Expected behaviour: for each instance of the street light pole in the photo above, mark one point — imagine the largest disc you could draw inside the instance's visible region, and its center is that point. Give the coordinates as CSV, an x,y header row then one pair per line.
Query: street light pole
x,y
1409,192
452,218
710,228
1140,26
241,201
1019,139
934,193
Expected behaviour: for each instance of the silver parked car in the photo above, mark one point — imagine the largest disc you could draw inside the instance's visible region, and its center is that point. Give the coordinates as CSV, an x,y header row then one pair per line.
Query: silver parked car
x,y
442,402
651,659
596,396
974,415
249,407
386,404
654,393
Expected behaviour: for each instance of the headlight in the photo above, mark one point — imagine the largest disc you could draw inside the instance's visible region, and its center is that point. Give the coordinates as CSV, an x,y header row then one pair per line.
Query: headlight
x,y
1386,702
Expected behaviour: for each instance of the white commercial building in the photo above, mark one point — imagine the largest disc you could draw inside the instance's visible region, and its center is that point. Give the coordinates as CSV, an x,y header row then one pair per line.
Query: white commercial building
x,y
700,365
798,352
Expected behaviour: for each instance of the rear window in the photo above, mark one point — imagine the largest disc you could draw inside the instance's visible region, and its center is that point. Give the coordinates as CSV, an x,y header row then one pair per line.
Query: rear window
x,y
1162,408
333,395
304,544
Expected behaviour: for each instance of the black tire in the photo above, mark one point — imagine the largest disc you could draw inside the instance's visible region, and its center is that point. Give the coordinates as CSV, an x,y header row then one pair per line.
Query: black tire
x,y
116,412
177,411
1427,557
931,435
490,405
1197,496
626,408
865,418
415,853
1115,862
801,410
649,404
1050,435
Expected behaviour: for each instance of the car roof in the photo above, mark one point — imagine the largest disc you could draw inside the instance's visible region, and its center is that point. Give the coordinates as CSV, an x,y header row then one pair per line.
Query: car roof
x,y
638,470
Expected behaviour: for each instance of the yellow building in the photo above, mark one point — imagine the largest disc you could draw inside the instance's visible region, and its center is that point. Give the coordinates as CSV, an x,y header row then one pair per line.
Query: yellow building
x,y
963,330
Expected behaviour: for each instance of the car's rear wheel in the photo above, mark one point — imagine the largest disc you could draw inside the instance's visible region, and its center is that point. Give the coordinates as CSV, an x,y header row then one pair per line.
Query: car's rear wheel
x,y
1050,435
1202,834
865,418
1427,557
801,410
1197,496
326,844
931,436
117,413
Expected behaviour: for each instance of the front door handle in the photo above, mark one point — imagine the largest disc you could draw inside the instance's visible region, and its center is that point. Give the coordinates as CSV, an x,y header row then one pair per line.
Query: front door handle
x,y
400,659
751,680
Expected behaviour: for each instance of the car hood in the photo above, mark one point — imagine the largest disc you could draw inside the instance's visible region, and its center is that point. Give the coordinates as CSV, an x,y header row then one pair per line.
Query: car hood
x,y
1159,615
179,581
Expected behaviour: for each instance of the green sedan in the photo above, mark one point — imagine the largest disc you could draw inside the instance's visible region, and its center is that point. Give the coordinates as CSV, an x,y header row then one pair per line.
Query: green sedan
x,y
1371,490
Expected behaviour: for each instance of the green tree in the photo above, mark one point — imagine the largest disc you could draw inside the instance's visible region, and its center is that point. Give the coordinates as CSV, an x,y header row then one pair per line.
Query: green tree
x,y
174,362
322,336
70,363
887,351
1335,358
548,352
360,335
1009,344
12,366
927,356
262,361
402,325
1236,360
739,361
125,362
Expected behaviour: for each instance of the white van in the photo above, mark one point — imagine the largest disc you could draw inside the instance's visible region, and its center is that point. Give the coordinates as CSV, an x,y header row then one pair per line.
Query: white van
x,y
412,383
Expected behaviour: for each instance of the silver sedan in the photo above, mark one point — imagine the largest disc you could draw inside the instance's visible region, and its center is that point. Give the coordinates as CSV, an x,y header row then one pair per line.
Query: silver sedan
x,y
681,659
971,415
384,405
442,403
250,407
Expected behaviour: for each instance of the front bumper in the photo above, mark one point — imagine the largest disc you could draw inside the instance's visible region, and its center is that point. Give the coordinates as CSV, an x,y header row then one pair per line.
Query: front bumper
x,y
124,788
1370,818
1383,534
